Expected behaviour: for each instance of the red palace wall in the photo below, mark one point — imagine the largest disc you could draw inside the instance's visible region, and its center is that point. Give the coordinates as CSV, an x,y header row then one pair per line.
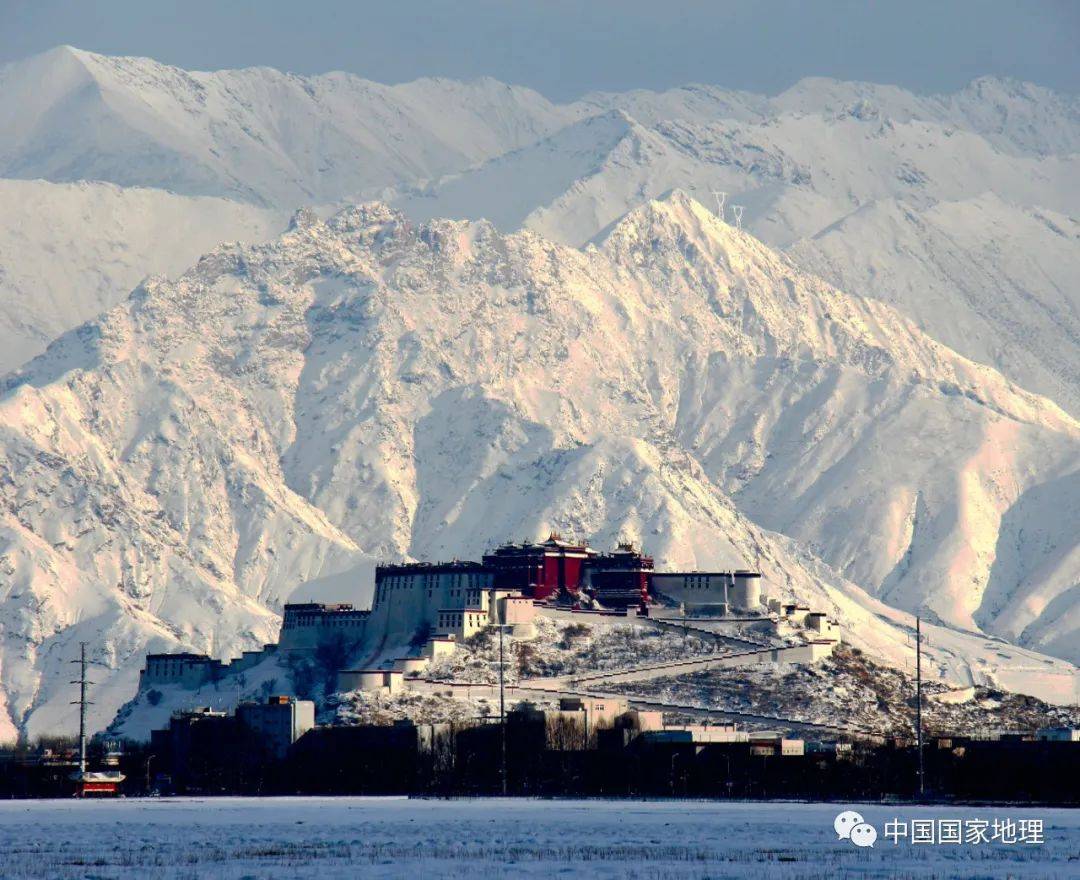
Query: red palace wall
x,y
538,570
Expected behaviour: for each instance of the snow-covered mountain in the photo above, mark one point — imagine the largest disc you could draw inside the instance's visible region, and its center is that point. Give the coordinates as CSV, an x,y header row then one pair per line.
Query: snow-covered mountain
x,y
280,415
882,191
993,280
195,159
256,134
957,212
366,386
70,251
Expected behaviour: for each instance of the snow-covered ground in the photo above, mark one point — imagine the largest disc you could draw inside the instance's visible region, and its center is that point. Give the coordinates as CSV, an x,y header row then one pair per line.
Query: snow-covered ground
x,y
564,648
849,689
329,838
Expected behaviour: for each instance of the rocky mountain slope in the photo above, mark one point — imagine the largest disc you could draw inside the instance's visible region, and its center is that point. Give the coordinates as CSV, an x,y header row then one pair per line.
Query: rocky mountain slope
x,y
367,386
156,165
954,208
994,280
71,251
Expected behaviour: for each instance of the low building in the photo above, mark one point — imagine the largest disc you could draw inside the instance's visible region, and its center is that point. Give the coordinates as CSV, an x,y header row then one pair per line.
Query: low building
x,y
384,681
795,613
811,652
819,622
595,711
511,609
441,645
1058,734
716,592
463,623
829,747
775,745
368,759
198,750
713,733
277,723
411,666
185,669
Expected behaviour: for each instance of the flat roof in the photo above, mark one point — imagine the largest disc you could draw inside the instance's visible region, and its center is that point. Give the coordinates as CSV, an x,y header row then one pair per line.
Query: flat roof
x,y
183,655
735,573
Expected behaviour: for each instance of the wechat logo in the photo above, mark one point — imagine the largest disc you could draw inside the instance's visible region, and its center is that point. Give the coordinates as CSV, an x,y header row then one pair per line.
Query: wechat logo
x,y
850,825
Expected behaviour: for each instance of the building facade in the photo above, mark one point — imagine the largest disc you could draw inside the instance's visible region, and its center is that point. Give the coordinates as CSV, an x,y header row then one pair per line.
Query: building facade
x,y
621,578
719,592
542,571
277,723
306,625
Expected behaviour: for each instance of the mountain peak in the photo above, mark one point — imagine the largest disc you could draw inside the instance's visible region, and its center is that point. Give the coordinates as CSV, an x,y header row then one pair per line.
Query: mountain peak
x,y
678,218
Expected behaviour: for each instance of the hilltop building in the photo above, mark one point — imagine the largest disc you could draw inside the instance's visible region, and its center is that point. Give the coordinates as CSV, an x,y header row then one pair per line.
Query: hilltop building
x,y
422,611
433,604
543,571
621,578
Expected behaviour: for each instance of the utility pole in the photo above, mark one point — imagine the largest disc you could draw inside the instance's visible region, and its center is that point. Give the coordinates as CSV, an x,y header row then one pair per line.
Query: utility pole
x,y
82,703
918,703
502,706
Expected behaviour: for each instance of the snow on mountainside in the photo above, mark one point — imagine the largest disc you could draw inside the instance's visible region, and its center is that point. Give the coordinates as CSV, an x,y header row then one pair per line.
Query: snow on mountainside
x,y
956,212
70,251
797,173
814,166
255,134
990,278
247,138
1017,117
1014,116
366,386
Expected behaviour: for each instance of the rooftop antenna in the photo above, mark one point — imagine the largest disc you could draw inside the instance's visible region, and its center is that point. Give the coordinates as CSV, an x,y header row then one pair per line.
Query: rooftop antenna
x,y
737,211
721,196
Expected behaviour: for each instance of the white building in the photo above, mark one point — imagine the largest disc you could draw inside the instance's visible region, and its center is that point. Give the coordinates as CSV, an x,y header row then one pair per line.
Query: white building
x,y
305,626
718,592
410,597
188,670
379,681
462,623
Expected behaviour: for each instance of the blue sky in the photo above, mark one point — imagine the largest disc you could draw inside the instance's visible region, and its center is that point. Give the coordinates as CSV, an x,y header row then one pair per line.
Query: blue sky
x,y
564,49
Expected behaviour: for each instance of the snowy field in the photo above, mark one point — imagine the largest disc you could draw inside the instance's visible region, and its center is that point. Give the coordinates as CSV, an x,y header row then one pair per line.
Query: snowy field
x,y
331,838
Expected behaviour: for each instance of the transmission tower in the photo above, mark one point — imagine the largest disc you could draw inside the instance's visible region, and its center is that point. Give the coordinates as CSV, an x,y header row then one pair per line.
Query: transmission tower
x,y
721,197
82,703
737,210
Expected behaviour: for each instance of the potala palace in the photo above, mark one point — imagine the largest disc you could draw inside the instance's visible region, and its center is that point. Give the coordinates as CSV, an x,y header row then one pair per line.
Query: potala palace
x,y
423,611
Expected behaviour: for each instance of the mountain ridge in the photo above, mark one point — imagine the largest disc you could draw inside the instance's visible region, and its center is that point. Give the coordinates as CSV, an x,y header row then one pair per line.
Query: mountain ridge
x,y
370,387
